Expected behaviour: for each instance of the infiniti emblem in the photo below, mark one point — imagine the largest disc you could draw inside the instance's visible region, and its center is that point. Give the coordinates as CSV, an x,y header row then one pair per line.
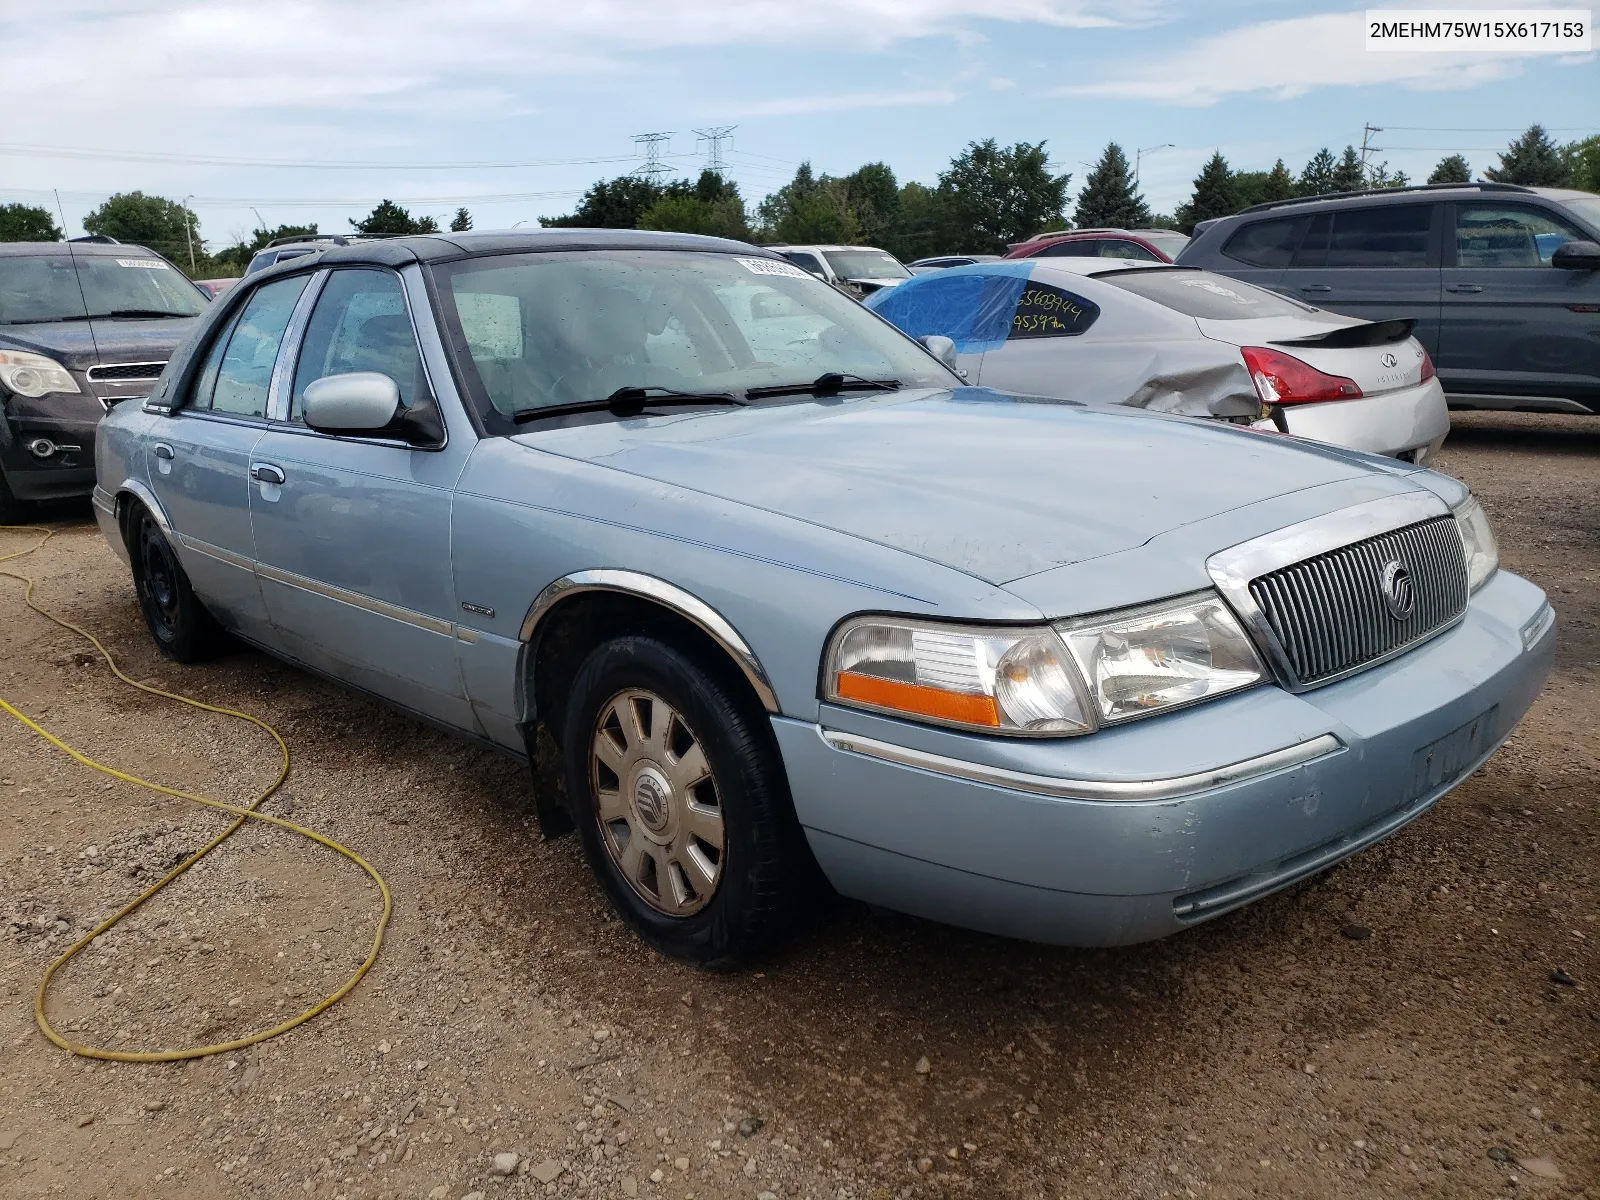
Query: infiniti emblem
x,y
1389,360
1396,589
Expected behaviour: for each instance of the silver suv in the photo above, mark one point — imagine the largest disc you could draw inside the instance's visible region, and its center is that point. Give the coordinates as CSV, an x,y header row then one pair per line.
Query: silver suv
x,y
1503,281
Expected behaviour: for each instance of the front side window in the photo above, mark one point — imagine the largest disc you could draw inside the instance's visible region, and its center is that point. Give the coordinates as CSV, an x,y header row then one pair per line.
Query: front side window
x,y
1267,243
360,323
808,261
865,264
1047,311
244,371
1504,235
1394,235
1203,294
567,327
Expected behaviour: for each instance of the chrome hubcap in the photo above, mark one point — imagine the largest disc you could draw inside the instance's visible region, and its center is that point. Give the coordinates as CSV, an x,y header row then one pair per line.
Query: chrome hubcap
x,y
659,811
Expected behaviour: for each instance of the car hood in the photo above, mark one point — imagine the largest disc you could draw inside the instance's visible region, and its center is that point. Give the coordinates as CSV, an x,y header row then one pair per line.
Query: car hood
x,y
996,485
76,344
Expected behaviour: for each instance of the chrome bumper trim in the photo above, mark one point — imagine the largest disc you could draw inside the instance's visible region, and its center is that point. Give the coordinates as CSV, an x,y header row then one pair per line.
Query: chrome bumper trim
x,y
1087,789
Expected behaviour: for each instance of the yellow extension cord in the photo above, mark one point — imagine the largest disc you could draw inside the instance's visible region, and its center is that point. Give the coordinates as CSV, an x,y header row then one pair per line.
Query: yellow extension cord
x,y
241,815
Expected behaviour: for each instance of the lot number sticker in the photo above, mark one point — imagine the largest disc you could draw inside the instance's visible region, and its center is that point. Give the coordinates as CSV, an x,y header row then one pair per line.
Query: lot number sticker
x,y
772,266
149,264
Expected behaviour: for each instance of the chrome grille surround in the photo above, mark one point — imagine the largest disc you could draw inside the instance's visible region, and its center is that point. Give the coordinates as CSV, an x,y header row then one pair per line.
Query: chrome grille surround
x,y
125,372
1309,593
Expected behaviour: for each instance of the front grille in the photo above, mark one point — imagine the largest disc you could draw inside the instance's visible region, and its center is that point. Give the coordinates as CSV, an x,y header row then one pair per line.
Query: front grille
x,y
119,372
1329,612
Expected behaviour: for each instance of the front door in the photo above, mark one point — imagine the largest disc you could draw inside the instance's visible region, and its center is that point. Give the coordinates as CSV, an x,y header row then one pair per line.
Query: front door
x,y
1512,324
1377,263
200,458
353,533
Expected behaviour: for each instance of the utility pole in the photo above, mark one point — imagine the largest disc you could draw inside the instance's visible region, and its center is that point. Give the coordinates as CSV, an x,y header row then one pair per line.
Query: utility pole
x,y
187,238
1368,149
1138,154
713,138
650,145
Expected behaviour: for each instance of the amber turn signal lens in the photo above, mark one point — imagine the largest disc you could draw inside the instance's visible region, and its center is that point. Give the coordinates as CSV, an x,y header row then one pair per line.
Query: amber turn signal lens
x,y
913,698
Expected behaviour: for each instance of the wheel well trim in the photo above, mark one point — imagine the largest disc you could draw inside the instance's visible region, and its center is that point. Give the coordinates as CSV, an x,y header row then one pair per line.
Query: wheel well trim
x,y
145,496
666,595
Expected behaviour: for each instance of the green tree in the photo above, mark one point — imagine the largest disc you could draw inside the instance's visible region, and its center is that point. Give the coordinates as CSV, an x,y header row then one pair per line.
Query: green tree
x,y
1452,169
873,194
1381,177
461,222
165,226
710,205
996,196
1532,160
1279,184
1108,197
25,223
234,259
610,204
1583,160
924,228
1215,194
1348,175
1317,178
391,220
809,210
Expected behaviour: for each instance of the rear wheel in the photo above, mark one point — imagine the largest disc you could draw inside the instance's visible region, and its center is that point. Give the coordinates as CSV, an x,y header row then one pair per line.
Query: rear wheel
x,y
681,803
184,631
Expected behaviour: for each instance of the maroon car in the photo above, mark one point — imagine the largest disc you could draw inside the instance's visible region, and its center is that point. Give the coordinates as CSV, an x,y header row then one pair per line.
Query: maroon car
x,y
1145,245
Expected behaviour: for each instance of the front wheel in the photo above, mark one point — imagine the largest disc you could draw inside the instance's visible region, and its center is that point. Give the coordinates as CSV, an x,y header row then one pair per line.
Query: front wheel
x,y
12,510
681,803
184,631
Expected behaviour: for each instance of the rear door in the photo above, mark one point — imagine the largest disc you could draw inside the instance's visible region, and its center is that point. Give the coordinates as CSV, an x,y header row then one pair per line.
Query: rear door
x,y
1511,324
1378,262
1260,251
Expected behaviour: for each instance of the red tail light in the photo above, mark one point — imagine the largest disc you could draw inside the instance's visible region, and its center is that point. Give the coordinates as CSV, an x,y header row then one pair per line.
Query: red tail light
x,y
1283,379
1427,368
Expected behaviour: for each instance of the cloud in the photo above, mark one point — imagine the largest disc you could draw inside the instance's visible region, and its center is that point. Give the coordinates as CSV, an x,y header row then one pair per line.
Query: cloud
x,y
847,101
1288,58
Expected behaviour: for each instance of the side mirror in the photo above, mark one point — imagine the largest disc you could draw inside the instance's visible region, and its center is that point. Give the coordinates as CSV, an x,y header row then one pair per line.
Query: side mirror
x,y
357,402
1577,256
941,348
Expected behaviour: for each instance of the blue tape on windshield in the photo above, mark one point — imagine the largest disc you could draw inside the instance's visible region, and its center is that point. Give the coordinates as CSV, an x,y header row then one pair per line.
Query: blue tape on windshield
x,y
972,306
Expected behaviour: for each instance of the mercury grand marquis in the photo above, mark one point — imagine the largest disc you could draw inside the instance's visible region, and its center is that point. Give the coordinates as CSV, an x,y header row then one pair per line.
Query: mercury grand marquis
x,y
767,597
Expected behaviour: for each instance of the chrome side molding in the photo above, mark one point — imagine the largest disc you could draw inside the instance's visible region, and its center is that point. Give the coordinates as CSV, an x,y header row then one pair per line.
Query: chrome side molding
x,y
648,587
1087,789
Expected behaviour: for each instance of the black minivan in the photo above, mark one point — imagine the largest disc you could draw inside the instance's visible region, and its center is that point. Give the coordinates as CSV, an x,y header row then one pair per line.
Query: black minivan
x,y
1503,281
83,325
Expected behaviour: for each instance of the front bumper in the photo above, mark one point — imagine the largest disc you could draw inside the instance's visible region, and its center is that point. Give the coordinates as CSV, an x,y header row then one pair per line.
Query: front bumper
x,y
67,423
1394,423
1090,871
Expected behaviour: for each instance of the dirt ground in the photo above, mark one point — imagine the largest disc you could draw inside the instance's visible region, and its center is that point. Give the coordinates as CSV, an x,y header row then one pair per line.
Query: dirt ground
x,y
1454,1052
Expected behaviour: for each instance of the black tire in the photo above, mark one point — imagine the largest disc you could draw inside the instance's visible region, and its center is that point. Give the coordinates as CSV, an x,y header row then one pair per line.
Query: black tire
x,y
182,627
764,869
12,510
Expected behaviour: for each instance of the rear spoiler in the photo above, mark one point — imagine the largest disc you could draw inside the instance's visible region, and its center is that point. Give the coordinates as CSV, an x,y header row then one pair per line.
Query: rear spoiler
x,y
1349,337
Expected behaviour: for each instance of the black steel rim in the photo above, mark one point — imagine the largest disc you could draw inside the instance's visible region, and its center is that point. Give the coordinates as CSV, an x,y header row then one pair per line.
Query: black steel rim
x,y
160,580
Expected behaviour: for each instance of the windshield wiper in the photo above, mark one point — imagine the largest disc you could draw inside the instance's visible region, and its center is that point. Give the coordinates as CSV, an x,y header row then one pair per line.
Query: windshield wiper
x,y
139,312
829,383
626,401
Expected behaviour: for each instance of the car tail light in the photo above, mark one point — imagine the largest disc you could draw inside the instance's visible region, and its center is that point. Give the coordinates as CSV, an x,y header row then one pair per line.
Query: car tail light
x,y
1427,368
1283,379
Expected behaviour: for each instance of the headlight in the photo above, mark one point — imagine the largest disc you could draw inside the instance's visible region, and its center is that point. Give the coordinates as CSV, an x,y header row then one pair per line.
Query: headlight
x,y
1477,539
1017,681
1143,660
33,374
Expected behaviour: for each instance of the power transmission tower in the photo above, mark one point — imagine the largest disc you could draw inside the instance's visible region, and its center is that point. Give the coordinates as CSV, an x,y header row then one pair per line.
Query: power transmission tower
x,y
713,138
650,145
1368,149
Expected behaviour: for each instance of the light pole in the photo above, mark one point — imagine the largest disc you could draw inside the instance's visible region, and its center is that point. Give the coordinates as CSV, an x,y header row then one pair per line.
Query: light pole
x,y
187,238
1138,154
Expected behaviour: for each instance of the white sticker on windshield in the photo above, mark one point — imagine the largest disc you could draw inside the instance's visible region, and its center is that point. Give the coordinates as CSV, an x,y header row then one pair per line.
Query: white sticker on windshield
x,y
152,264
772,266
1216,289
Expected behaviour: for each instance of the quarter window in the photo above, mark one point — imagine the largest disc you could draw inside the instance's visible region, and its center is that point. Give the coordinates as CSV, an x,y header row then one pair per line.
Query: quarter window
x,y
237,380
360,323
1116,248
1395,235
1494,235
1267,243
1046,311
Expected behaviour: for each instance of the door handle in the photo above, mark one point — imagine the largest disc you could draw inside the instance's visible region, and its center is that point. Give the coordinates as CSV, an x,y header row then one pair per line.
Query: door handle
x,y
164,451
1467,288
266,473
1317,287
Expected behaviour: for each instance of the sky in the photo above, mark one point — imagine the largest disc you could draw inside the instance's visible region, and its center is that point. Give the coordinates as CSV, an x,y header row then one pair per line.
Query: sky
x,y
312,110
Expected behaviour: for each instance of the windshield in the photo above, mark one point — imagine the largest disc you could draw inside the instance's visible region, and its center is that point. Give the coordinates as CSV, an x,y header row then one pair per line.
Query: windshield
x,y
865,264
43,287
1204,294
1587,208
1170,244
563,328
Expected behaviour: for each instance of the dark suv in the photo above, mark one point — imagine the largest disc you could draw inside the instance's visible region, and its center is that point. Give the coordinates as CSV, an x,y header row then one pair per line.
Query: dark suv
x,y
1503,281
82,326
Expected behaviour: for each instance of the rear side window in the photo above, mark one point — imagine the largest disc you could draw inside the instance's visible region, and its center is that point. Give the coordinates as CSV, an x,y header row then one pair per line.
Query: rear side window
x,y
1047,311
244,371
1083,248
1395,235
1267,243
360,323
808,261
1203,294
1116,248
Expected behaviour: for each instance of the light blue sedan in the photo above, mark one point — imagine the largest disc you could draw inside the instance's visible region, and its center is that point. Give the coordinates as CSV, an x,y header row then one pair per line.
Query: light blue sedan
x,y
766,597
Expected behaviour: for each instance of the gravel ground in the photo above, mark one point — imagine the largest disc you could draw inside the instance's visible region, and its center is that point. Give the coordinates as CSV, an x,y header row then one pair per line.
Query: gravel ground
x,y
1452,1049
